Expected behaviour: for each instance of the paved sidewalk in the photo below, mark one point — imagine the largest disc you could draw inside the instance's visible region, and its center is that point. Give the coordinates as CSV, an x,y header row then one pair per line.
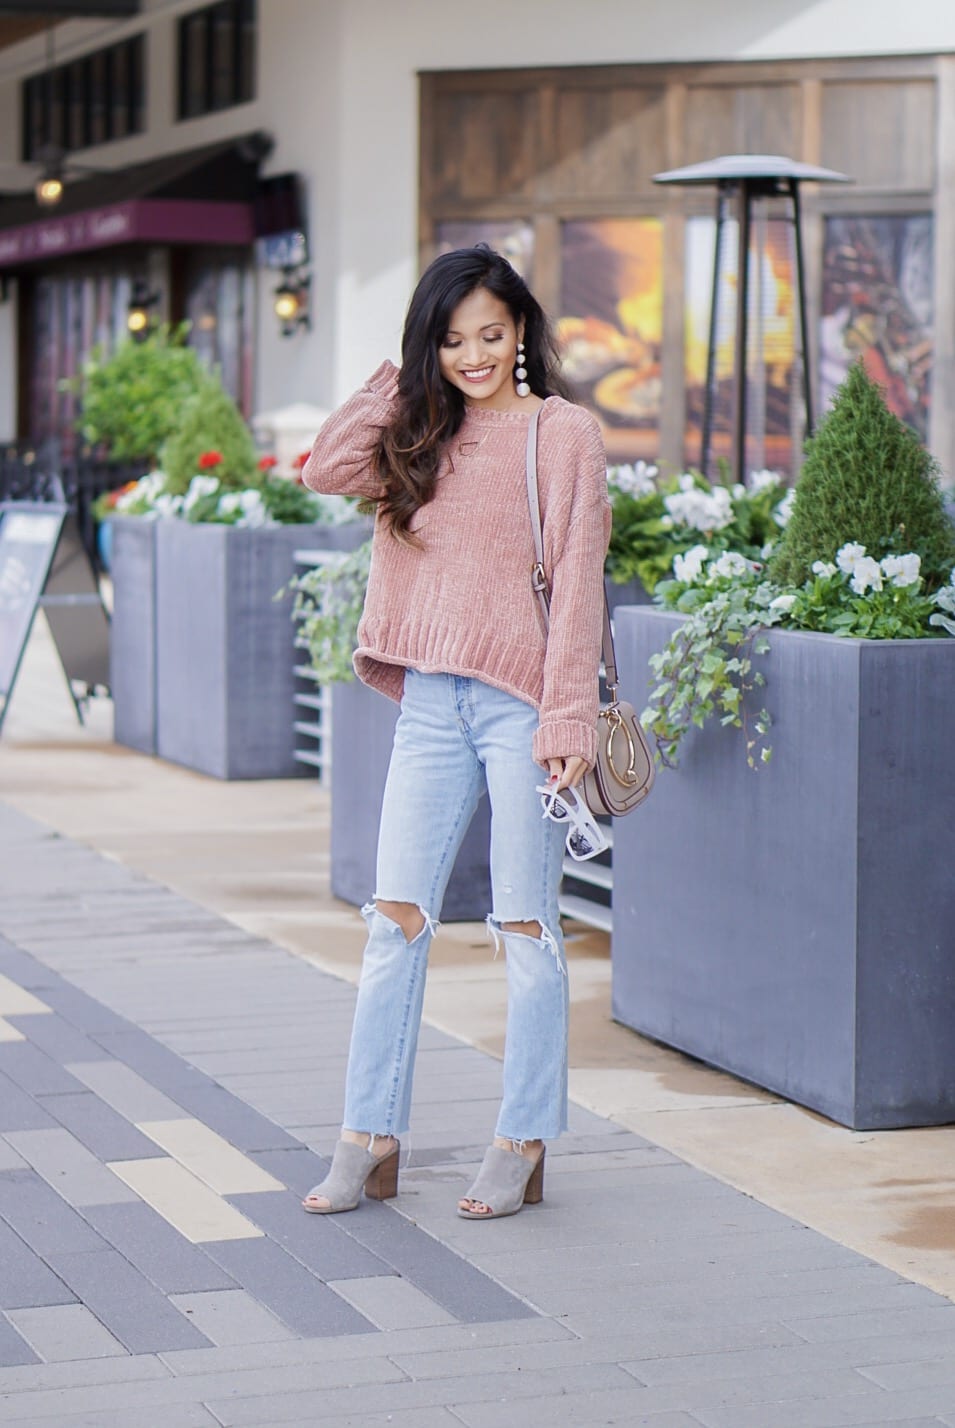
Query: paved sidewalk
x,y
168,1085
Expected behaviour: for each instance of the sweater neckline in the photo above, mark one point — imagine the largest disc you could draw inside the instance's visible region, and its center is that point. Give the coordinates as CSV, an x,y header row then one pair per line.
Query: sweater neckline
x,y
491,417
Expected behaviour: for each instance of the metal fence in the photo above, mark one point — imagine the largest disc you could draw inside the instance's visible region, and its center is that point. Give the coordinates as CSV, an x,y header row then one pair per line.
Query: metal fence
x,y
29,473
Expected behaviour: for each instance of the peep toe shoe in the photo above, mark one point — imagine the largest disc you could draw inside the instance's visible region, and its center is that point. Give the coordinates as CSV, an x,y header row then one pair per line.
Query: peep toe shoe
x,y
353,1168
506,1182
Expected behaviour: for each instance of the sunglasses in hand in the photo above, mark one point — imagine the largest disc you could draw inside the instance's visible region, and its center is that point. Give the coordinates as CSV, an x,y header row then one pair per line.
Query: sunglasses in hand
x,y
585,837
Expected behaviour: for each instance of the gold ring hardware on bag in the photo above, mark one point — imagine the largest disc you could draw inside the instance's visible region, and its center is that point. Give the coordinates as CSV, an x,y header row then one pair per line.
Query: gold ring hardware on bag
x,y
615,724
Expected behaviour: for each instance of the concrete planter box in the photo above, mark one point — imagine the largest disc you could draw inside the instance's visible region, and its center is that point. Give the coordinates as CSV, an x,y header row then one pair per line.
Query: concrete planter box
x,y
796,925
363,724
225,647
133,632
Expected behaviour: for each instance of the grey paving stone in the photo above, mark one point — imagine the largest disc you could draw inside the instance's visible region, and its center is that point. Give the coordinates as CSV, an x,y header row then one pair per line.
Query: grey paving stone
x,y
319,1242
242,1126
392,1303
65,1332
916,1373
938,1319
331,1404
15,1383
287,1288
127,1303
158,1065
443,1275
14,1349
185,1415
41,1217
56,1037
371,1345
9,1160
72,1170
855,1411
20,967
230,1316
126,1091
414,1418
25,1280
83,1011
173,1263
33,1070
102,1130
299,1169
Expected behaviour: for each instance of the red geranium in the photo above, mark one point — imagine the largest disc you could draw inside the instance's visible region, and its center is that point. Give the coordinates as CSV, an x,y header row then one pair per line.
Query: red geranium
x,y
208,459
267,462
301,459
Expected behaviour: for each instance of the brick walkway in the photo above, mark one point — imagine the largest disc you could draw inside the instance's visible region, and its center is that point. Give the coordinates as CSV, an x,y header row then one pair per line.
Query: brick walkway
x,y
167,1085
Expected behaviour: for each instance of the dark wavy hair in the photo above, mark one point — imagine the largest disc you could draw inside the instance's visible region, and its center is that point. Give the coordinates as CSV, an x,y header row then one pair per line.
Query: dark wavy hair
x,y
430,410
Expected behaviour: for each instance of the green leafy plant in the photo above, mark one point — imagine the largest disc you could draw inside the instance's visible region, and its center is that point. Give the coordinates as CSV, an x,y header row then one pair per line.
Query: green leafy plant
x,y
328,603
866,479
210,426
656,519
132,401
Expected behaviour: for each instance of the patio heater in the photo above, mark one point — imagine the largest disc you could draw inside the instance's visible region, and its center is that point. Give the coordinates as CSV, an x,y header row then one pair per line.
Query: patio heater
x,y
746,178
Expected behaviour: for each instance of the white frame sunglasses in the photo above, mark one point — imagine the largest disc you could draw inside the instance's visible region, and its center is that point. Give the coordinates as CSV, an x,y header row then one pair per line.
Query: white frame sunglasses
x,y
585,837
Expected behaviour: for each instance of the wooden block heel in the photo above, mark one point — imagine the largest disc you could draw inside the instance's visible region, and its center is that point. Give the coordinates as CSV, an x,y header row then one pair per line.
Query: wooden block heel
x,y
382,1183
534,1193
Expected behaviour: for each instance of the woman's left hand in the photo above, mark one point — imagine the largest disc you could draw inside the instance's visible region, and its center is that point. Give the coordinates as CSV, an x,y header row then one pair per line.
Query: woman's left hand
x,y
567,772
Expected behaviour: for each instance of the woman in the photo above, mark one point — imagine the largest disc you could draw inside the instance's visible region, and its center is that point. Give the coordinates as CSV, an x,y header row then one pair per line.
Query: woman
x,y
451,628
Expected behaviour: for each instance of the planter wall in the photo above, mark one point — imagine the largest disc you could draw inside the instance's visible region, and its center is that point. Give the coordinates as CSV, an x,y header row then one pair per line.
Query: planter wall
x,y
133,632
225,647
796,925
363,724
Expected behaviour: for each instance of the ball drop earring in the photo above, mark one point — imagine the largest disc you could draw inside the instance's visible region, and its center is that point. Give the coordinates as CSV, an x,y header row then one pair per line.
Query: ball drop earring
x,y
520,373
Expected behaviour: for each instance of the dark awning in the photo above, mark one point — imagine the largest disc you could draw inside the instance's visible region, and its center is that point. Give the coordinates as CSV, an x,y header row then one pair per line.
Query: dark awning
x,y
200,195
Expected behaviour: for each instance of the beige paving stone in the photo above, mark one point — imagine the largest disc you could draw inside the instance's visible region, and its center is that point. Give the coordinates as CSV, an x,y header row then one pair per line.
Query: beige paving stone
x,y
9,1032
17,1001
189,1205
391,1302
61,1333
230,1317
210,1157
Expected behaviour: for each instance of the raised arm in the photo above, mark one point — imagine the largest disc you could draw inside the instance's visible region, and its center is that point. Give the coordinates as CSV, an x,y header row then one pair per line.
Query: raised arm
x,y
340,462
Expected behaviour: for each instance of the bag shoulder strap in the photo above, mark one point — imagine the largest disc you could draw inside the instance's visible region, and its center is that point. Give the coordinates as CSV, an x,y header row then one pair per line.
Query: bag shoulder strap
x,y
538,575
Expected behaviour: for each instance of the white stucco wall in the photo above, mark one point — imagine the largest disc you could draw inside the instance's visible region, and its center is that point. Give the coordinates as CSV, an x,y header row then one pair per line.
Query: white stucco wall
x,y
337,88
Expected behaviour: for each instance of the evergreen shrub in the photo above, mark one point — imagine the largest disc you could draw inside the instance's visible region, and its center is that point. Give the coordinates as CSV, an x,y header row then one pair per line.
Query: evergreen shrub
x,y
211,422
867,479
132,401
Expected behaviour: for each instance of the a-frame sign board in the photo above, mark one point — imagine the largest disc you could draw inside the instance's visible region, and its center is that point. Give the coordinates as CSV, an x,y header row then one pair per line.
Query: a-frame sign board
x,y
43,566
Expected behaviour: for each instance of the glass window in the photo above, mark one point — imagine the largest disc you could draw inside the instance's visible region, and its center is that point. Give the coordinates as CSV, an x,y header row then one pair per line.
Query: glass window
x,y
90,101
216,57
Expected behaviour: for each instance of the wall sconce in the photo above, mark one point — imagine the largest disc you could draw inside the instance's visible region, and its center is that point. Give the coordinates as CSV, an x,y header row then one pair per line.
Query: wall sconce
x,y
140,319
291,301
48,189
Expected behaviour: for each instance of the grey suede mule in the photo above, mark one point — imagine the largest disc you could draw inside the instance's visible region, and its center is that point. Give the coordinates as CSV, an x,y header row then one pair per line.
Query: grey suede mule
x,y
506,1181
353,1166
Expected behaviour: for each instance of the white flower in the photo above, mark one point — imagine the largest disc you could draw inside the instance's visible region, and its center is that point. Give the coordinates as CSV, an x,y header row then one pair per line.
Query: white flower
x,y
730,564
784,510
945,598
254,510
823,567
701,510
688,568
199,486
759,480
229,503
849,555
866,574
902,569
634,480
784,603
147,488
738,491
166,505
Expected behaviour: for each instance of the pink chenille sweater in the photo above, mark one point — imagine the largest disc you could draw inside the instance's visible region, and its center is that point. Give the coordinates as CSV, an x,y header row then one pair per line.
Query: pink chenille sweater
x,y
463,603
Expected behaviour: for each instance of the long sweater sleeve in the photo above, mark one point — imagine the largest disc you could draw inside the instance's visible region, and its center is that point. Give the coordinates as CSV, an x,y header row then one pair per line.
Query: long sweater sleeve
x,y
340,462
576,534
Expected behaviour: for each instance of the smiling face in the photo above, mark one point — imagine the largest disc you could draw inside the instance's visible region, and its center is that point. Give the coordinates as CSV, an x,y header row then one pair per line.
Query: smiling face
x,y
479,351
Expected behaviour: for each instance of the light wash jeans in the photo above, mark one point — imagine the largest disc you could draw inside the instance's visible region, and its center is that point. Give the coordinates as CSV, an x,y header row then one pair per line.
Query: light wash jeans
x,y
456,738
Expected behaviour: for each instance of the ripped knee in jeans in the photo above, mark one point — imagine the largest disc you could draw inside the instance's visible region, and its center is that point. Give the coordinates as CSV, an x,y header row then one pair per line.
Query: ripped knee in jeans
x,y
409,916
535,930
